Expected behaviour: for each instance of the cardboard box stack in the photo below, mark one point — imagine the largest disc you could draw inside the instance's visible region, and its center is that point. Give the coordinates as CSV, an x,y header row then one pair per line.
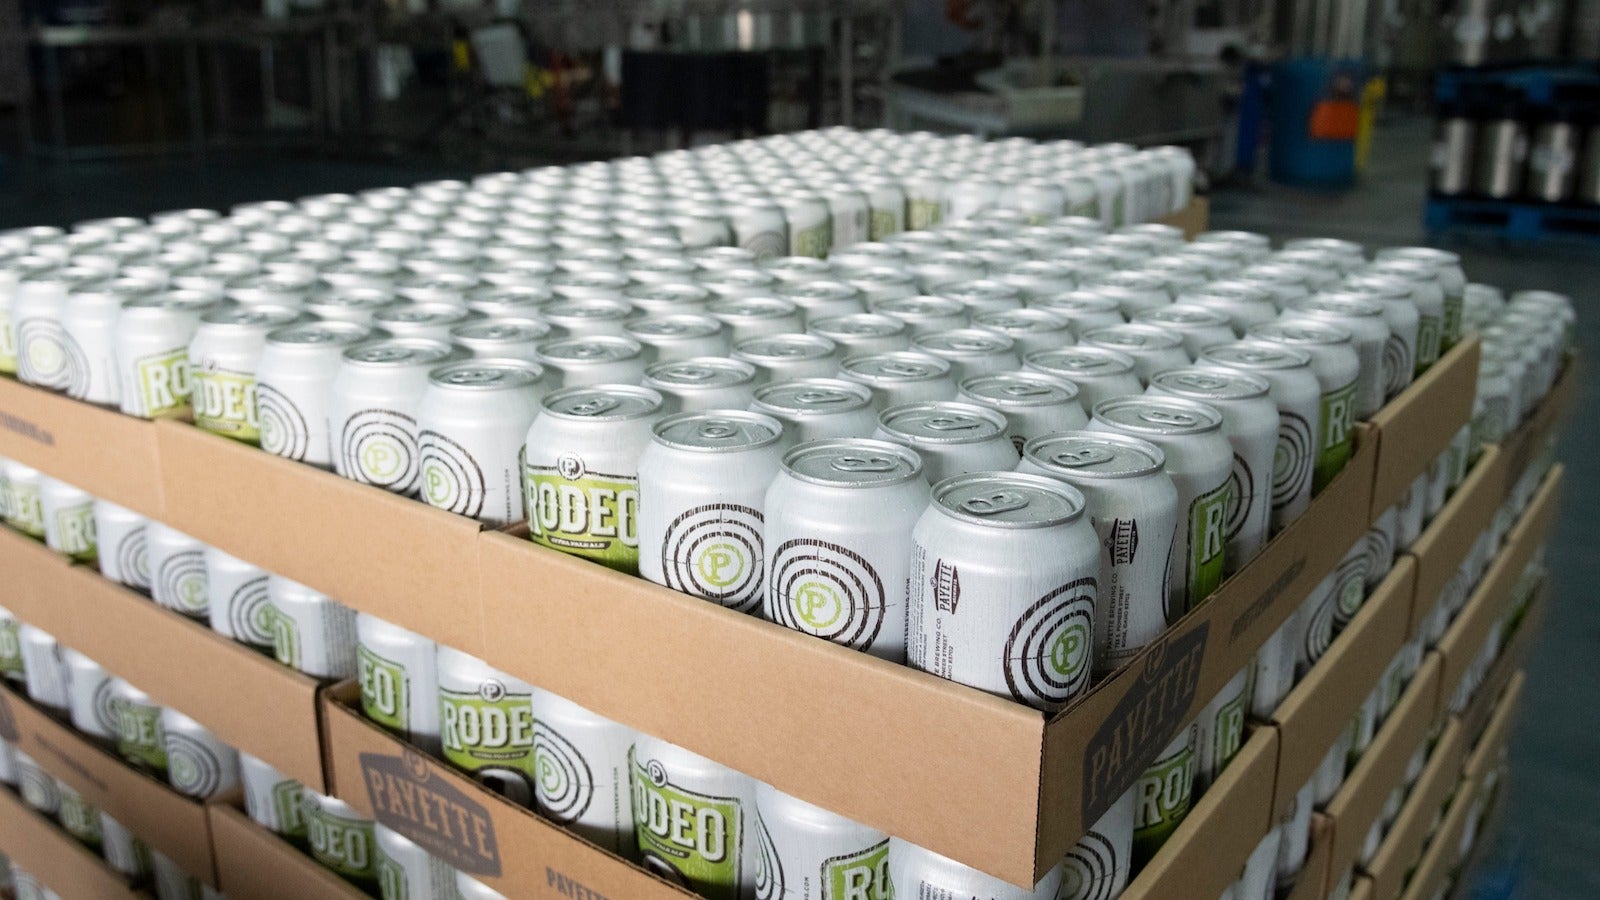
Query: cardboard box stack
x,y
339,690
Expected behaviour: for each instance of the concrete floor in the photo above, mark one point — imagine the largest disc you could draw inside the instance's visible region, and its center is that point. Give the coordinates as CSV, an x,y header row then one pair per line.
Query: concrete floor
x,y
1553,823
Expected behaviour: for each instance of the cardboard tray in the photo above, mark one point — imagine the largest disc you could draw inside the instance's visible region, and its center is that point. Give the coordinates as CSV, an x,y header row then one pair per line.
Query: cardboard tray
x,y
55,858
1415,427
505,846
1464,638
266,709
1484,754
1475,720
1439,859
1360,800
882,743
1522,445
1362,889
391,556
1316,878
162,817
1209,849
256,864
1448,539
1322,705
1406,841
1193,219
100,450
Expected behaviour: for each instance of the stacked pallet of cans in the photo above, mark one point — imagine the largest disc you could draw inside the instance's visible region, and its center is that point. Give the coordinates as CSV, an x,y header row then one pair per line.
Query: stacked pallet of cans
x,y
1008,450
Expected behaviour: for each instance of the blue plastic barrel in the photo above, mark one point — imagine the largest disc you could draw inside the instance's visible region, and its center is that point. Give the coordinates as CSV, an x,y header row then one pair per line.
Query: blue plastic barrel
x,y
1315,111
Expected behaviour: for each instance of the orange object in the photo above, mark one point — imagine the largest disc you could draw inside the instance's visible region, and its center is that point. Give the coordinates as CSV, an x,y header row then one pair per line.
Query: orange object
x,y
1335,120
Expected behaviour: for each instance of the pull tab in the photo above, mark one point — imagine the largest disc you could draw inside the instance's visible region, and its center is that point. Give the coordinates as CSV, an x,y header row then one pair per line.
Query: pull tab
x,y
865,463
903,370
1201,381
1078,457
692,374
718,430
1025,391
994,504
971,344
951,423
1166,417
595,406
819,397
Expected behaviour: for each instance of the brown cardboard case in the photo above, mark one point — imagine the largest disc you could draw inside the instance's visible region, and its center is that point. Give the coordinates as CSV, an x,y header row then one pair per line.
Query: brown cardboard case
x,y
255,864
1448,539
1505,670
1415,427
55,858
1485,751
1444,847
1208,851
1316,877
102,451
247,698
1521,445
1362,889
503,845
1321,706
163,818
1193,219
1406,840
878,742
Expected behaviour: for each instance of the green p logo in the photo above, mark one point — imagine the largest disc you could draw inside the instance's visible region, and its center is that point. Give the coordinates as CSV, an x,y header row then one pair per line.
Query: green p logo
x,y
818,603
722,564
1066,652
379,460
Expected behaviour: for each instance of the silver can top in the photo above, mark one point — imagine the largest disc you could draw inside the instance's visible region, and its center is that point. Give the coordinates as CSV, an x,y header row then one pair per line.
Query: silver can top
x,y
1199,383
401,352
1088,362
1010,500
1301,332
421,314
1021,321
751,308
481,375
894,367
492,299
958,343
803,292
859,325
919,308
591,309
1158,416
650,296
599,348
853,463
798,267
1345,304
1091,455
982,291
1257,355
500,331
784,347
185,300
942,422
1021,390
700,372
319,334
813,396
603,402
1089,300
1134,336
678,325
1378,286
1183,315
256,317
718,431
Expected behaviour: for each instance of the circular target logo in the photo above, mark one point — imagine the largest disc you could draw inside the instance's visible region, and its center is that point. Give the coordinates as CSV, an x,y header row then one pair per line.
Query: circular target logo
x,y
769,867
284,431
249,613
1090,871
562,778
766,244
1350,588
1397,365
1047,653
715,552
450,478
133,560
180,584
1291,461
50,358
379,447
1319,634
1241,486
1378,548
191,766
828,591
105,707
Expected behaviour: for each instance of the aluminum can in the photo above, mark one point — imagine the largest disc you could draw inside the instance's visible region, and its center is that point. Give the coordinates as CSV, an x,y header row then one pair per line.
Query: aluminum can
x,y
717,857
678,336
1334,362
702,491
311,632
822,299
1350,585
901,377
935,270
223,357
863,334
68,520
1200,461
926,199
1250,423
792,270
916,872
1031,330
1133,506
1100,864
90,322
1244,304
12,272
399,681
736,283
471,422
421,321
1164,794
578,362
46,355
372,409
1152,349
810,223
39,789
503,338
1085,310
123,852
970,351
1197,326
720,259
879,282
1295,828
1136,292
1034,404
1380,545
812,409
509,301
199,765
581,471
1400,314
1314,626
759,226
1040,278
1452,280
294,378
807,852
983,295
1100,373
1275,669
469,888
341,839
589,284
405,871
1029,636
177,571
1294,390
152,348
486,725
839,576
239,607
356,305
1219,729
783,357
11,662
703,383
888,201
924,314
1429,298
750,317
273,800
1369,334
139,737
580,763
89,696
593,317
951,438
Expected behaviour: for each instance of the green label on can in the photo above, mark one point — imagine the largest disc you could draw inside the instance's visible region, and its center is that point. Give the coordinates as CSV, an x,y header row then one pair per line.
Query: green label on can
x,y
1208,535
163,381
489,732
858,876
1119,208
922,214
80,819
285,639
289,800
1162,796
385,690
139,735
10,650
344,845
813,242
686,836
1451,327
75,532
1427,342
1089,209
24,509
1227,730
225,404
1337,436
392,883
8,344
881,225
587,514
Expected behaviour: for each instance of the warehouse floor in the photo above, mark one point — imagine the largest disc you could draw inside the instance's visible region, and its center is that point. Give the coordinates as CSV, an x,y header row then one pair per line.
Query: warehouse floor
x,y
1552,831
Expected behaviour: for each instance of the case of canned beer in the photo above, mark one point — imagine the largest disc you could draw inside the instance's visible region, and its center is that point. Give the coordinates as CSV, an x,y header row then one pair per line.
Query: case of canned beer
x,y
53,858
1447,540
1416,426
255,864
1409,835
